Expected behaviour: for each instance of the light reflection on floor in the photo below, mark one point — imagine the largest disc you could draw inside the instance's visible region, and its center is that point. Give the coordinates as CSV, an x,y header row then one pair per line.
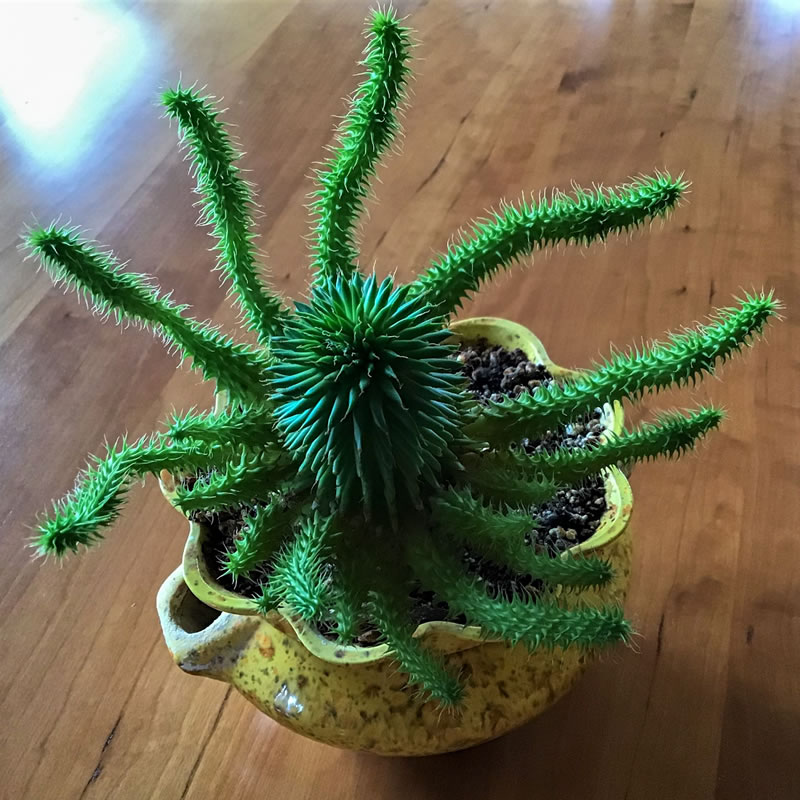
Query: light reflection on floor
x,y
785,6
64,67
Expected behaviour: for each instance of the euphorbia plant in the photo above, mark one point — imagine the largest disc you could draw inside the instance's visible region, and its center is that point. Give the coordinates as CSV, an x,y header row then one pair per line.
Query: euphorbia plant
x,y
347,436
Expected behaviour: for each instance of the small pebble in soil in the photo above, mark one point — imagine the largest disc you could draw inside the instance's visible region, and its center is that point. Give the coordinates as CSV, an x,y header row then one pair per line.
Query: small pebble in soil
x,y
495,373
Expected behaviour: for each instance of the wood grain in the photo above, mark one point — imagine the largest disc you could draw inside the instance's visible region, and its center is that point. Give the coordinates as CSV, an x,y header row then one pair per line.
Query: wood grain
x,y
511,96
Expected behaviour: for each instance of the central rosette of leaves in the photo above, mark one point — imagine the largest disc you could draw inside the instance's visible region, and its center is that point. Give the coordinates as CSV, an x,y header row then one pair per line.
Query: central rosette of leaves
x,y
368,396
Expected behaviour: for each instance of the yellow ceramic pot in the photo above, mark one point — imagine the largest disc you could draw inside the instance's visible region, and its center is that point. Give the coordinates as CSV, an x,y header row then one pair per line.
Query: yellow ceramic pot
x,y
354,697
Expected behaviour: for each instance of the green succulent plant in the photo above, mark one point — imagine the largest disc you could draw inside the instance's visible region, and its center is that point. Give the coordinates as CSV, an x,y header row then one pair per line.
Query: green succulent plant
x,y
361,462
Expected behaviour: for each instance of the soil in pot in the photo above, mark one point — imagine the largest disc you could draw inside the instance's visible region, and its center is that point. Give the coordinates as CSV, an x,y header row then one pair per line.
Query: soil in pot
x,y
570,518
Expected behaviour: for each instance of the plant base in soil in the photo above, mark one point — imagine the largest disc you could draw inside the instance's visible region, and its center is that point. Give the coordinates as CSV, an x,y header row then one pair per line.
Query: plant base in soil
x,y
570,518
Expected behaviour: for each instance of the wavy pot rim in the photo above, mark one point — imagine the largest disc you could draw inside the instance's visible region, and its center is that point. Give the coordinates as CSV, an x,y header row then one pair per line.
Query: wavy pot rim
x,y
619,506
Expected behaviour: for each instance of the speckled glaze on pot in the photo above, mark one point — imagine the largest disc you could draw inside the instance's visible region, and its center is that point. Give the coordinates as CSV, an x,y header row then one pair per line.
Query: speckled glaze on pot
x,y
353,697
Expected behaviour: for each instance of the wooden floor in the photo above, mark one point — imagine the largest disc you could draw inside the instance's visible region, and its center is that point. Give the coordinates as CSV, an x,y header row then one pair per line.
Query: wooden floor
x,y
511,96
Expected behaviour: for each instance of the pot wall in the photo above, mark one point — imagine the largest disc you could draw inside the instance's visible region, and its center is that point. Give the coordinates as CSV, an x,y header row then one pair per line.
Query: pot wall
x,y
354,697
366,706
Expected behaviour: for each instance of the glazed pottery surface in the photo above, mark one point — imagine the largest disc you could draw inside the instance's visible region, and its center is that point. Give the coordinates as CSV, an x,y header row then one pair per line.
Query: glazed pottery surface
x,y
354,697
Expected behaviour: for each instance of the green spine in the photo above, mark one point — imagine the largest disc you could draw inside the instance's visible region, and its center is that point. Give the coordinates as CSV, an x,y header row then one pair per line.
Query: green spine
x,y
515,231
366,131
130,296
226,206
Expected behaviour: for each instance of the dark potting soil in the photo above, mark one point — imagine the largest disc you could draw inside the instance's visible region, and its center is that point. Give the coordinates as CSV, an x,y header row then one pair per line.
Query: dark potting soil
x,y
224,527
574,514
571,517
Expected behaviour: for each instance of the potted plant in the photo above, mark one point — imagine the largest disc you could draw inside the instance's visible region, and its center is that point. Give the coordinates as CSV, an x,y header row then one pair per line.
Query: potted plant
x,y
391,514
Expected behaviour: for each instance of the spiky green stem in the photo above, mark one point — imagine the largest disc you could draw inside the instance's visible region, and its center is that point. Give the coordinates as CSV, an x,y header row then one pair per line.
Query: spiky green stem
x,y
79,518
683,358
346,613
515,231
534,622
227,205
671,436
247,477
463,514
300,578
349,585
260,538
391,614
366,131
367,395
500,536
131,297
252,425
504,485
